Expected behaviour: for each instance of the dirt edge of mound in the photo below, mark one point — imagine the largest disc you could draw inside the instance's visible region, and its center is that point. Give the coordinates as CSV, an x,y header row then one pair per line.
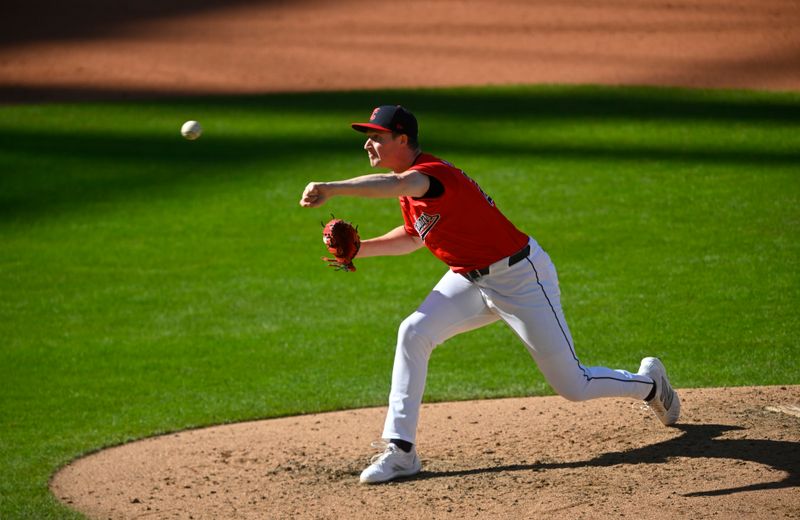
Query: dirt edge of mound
x,y
735,451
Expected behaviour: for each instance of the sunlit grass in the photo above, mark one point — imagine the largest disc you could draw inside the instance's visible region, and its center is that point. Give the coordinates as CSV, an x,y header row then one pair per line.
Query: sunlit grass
x,y
151,284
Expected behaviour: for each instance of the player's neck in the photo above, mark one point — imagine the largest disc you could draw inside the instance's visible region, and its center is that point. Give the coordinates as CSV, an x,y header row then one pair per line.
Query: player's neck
x,y
408,160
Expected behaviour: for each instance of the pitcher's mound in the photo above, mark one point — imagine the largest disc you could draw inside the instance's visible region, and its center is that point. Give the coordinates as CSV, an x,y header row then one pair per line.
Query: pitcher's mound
x,y
736,452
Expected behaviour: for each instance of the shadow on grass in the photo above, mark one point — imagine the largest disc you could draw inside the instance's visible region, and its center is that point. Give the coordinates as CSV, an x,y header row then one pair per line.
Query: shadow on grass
x,y
698,441
523,104
51,171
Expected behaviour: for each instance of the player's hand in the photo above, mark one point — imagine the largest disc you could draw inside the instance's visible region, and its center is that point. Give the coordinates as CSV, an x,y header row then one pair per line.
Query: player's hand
x,y
337,265
314,195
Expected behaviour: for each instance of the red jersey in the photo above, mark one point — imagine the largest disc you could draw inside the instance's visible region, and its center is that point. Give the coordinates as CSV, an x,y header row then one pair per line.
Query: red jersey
x,y
462,226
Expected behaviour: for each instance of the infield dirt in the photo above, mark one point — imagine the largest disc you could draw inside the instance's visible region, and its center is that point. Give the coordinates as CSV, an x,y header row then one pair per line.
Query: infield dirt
x,y
538,457
85,50
735,453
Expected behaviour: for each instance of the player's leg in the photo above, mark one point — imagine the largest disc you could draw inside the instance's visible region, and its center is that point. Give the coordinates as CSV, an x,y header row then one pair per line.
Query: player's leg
x,y
527,297
454,306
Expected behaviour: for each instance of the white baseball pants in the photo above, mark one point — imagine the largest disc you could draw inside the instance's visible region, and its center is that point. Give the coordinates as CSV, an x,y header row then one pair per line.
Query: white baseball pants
x,y
526,296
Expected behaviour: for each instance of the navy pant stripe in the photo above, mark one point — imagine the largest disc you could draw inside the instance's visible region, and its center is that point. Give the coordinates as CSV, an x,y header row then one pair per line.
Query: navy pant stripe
x,y
566,338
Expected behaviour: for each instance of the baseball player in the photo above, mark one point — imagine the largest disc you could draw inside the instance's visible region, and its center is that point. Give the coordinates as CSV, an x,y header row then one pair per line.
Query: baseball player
x,y
496,272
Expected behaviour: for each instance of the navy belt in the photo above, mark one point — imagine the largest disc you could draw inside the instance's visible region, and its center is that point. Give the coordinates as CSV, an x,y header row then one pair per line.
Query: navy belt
x,y
517,257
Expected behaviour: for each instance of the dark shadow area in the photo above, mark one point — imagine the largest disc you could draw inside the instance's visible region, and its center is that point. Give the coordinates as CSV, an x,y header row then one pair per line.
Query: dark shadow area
x,y
30,94
526,104
514,103
697,441
152,163
26,21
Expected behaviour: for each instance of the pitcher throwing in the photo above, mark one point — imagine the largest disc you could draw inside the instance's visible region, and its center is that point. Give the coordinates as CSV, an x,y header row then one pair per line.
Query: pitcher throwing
x,y
496,272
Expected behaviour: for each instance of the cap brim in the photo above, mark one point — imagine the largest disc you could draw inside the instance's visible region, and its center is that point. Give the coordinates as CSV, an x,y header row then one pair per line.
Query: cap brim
x,y
366,127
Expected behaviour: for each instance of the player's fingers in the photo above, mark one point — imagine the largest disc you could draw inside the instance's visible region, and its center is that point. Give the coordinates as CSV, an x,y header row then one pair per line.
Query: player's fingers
x,y
335,264
312,200
310,195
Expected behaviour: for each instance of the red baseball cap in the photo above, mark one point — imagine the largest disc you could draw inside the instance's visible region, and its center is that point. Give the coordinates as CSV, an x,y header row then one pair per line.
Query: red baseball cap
x,y
390,118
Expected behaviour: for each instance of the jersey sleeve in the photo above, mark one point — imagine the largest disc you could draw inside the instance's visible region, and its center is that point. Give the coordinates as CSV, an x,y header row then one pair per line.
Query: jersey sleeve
x,y
441,173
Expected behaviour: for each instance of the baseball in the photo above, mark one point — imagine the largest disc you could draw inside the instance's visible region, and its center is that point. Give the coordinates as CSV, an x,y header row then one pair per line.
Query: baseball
x,y
191,130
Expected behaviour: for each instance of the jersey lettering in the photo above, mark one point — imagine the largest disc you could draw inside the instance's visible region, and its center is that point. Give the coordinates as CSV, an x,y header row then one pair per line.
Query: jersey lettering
x,y
425,223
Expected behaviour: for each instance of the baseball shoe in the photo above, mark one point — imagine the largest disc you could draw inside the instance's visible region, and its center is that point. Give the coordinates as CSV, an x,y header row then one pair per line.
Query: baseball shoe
x,y
665,403
390,464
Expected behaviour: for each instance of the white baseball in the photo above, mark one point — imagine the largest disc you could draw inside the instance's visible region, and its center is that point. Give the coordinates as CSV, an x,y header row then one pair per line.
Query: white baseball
x,y
191,130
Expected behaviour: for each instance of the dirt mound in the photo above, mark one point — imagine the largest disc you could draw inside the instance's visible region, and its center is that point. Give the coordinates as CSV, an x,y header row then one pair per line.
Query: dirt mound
x,y
735,452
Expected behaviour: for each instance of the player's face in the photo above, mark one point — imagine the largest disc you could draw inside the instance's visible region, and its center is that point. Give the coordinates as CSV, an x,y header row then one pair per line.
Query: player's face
x,y
383,149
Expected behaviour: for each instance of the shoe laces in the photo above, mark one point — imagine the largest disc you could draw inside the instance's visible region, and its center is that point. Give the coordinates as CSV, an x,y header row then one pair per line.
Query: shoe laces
x,y
384,447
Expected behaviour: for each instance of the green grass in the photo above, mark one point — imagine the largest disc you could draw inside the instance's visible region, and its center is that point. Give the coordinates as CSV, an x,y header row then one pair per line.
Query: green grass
x,y
151,284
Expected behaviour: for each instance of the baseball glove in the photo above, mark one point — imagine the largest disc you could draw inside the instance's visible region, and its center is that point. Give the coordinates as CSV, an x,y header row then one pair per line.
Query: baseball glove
x,y
343,242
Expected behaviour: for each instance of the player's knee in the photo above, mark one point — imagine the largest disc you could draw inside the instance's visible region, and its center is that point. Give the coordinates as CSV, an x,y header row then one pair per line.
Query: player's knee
x,y
413,333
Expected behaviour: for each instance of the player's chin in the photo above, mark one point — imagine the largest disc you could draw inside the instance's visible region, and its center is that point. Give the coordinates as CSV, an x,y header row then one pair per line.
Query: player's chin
x,y
374,161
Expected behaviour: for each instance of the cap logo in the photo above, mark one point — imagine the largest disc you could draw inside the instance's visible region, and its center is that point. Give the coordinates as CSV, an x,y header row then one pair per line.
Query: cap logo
x,y
374,114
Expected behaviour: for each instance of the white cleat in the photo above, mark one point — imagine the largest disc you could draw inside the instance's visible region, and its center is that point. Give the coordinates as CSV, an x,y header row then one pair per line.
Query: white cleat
x,y
665,404
390,464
